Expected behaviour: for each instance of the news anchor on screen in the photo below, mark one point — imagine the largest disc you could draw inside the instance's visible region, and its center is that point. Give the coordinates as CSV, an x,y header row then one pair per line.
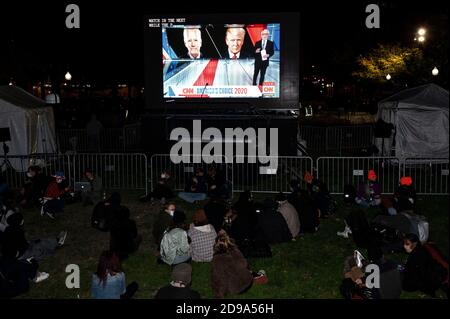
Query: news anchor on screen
x,y
234,38
193,42
263,52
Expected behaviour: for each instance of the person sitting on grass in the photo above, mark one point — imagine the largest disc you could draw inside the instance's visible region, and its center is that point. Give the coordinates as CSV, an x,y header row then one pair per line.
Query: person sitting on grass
x,y
196,188
108,282
217,186
15,245
369,194
163,189
162,223
215,210
179,287
105,211
94,194
15,276
203,236
289,213
320,194
272,225
34,187
242,219
309,214
426,269
124,238
230,271
175,243
53,201
404,196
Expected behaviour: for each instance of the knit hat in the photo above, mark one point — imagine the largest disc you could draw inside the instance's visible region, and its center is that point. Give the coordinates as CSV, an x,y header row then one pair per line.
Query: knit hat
x,y
371,176
406,181
59,174
182,273
308,177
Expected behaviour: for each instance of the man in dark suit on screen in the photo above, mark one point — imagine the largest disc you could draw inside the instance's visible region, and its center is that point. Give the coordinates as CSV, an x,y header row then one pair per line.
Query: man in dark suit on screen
x,y
263,51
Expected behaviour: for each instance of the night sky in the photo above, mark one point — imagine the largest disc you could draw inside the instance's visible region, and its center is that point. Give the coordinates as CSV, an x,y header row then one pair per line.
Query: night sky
x,y
109,46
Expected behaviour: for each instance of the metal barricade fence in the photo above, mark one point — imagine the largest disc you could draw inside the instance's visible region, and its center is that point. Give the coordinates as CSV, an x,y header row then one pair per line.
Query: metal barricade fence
x,y
336,172
182,172
130,171
257,177
336,138
109,140
49,164
429,175
117,170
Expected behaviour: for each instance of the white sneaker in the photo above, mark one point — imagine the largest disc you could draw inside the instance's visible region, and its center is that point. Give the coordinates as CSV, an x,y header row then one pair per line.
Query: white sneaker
x,y
62,237
52,216
343,234
41,276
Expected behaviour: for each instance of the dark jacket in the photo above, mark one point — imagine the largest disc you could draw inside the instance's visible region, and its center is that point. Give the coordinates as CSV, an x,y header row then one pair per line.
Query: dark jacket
x,y
422,272
215,211
404,198
171,292
123,235
162,222
269,51
272,225
230,274
14,241
15,276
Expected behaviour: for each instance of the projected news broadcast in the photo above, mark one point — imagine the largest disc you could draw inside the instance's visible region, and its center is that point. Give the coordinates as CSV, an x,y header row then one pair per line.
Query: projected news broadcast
x,y
220,60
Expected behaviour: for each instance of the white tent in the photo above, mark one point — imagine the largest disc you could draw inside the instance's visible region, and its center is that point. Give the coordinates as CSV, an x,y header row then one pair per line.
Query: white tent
x,y
31,123
420,119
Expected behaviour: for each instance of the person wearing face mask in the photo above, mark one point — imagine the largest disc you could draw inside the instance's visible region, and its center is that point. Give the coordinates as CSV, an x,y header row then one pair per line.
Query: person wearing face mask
x,y
163,190
53,202
162,223
426,269
369,194
196,188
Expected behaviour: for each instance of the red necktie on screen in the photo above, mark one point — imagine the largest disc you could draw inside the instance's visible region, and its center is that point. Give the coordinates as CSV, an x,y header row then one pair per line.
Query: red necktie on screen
x,y
234,56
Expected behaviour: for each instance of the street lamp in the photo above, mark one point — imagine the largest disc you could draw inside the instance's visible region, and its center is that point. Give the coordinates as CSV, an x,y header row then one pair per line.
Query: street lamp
x,y
420,35
435,71
68,76
388,77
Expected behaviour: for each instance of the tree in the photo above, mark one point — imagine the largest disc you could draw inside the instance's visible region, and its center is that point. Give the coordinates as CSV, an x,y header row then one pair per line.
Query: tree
x,y
403,64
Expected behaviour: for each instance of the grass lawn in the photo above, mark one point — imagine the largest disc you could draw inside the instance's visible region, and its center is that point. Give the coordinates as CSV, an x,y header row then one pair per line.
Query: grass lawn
x,y
311,267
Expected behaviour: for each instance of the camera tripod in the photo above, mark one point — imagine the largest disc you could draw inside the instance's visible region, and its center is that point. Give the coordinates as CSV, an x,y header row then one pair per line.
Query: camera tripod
x,y
6,161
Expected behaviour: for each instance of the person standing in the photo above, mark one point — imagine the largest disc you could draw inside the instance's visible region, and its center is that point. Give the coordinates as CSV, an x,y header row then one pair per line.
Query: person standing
x,y
264,49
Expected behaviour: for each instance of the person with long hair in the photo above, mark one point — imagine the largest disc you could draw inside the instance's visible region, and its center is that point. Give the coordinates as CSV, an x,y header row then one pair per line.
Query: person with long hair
x,y
108,282
231,273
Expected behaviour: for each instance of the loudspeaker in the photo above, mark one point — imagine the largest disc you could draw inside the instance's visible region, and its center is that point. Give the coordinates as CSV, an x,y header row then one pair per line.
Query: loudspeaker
x,y
5,135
